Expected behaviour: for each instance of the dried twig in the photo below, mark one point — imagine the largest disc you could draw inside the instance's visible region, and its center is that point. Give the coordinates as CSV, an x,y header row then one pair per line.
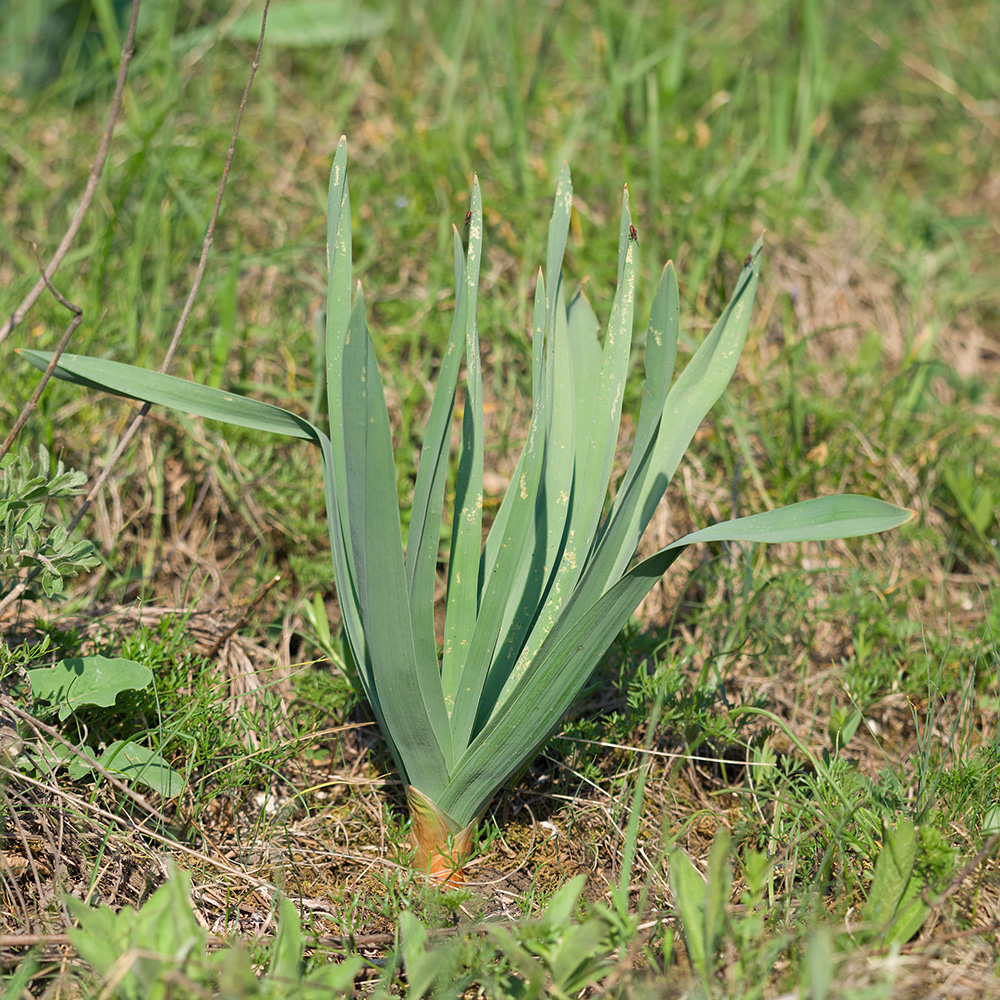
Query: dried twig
x,y
242,617
195,285
29,407
19,588
96,171
9,705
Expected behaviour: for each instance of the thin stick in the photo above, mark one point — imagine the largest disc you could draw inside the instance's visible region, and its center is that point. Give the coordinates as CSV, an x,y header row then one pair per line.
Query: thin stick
x,y
241,619
29,407
9,705
188,305
195,286
96,171
22,585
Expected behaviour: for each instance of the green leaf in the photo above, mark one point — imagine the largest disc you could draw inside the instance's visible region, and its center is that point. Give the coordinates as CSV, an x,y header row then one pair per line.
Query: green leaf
x,y
822,519
910,915
424,536
818,967
893,871
287,949
515,574
562,906
690,898
166,923
16,983
582,330
566,442
101,936
562,210
661,353
158,941
87,680
420,964
332,979
695,392
842,726
531,973
234,972
582,955
138,763
603,413
409,690
154,387
718,889
535,700
311,23
514,559
462,603
338,321
592,471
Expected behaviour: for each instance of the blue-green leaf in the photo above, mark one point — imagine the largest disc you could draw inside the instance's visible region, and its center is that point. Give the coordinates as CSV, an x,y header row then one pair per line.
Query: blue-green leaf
x,y
87,680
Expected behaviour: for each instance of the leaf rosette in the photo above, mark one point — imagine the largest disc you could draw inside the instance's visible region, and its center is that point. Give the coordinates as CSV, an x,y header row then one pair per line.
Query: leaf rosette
x,y
530,611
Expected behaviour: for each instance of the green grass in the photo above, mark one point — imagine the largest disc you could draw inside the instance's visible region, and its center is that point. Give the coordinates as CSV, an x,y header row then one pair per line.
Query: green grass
x,y
863,139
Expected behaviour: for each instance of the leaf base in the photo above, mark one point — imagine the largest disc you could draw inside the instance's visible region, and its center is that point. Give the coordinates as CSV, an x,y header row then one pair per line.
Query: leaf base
x,y
441,845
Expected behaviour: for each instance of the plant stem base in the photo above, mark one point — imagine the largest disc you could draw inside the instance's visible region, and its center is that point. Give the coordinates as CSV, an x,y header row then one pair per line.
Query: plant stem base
x,y
441,844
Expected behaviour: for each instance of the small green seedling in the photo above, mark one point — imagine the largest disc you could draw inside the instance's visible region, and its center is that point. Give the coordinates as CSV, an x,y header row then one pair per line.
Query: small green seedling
x,y
701,902
895,904
144,955
29,550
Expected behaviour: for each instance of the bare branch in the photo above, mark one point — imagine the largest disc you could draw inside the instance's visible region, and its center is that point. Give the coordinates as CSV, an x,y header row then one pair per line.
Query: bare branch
x,y
206,246
96,170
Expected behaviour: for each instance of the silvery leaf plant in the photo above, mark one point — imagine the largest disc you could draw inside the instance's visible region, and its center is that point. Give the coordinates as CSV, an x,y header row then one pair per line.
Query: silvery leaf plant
x,y
532,605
